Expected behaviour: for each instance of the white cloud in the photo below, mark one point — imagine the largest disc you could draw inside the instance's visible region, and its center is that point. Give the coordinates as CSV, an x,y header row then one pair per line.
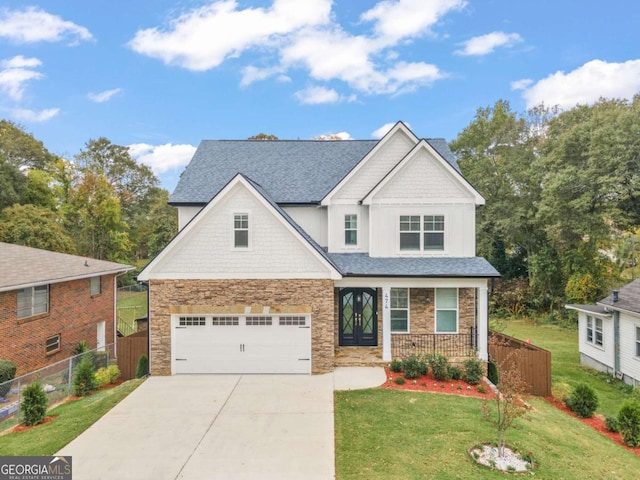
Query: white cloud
x,y
335,136
203,38
162,158
521,84
103,96
397,19
33,24
586,84
252,74
382,131
486,44
317,95
16,73
26,115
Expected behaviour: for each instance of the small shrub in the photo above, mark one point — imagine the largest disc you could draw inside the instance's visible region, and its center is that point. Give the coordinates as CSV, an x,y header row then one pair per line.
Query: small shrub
x,y
143,366
439,367
629,423
80,347
114,373
7,373
611,423
481,389
399,380
583,401
84,379
454,372
492,373
34,404
473,371
102,377
395,365
413,367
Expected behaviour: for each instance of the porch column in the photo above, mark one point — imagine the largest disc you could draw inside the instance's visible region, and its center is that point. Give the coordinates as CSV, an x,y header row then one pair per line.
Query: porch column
x,y
482,326
386,324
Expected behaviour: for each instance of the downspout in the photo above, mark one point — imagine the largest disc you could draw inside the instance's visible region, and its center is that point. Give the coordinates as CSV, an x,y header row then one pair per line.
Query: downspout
x,y
616,334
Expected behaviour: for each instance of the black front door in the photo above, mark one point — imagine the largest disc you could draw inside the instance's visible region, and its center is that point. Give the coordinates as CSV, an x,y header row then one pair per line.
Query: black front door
x,y
358,317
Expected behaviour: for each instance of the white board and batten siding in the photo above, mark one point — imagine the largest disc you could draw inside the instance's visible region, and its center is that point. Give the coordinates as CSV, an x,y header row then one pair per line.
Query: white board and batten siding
x,y
605,355
337,228
185,214
241,344
313,220
629,362
206,251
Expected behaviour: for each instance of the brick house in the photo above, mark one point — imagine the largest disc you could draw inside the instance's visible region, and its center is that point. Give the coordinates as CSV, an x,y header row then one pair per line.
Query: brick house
x,y
297,256
50,301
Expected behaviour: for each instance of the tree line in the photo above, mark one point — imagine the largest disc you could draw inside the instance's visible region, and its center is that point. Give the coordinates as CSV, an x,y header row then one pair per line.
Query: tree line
x,y
562,218
102,205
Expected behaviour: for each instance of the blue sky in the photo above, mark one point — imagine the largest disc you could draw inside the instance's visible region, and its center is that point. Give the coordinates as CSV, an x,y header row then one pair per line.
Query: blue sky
x,y
161,75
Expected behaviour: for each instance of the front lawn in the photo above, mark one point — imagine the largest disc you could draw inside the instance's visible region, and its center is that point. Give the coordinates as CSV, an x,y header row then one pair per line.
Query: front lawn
x,y
384,434
566,371
74,417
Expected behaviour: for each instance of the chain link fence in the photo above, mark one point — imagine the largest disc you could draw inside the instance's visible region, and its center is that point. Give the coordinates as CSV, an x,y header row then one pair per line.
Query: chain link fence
x,y
56,379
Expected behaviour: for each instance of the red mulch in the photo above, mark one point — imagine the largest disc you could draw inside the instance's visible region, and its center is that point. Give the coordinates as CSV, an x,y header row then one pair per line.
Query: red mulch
x,y
24,428
596,422
427,383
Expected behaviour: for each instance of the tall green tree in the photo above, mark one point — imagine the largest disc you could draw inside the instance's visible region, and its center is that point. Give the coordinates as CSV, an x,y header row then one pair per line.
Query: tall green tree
x,y
22,149
36,227
13,184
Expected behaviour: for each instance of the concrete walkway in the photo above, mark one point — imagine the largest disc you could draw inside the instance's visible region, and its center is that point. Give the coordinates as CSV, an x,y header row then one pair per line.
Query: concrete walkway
x,y
219,427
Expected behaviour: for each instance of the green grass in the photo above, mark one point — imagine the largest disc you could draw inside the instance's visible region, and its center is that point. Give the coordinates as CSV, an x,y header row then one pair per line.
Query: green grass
x,y
566,371
391,434
73,418
131,305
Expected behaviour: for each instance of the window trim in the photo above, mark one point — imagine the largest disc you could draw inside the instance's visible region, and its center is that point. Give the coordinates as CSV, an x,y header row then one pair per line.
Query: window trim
x,y
32,302
447,309
407,309
421,232
435,219
637,341
592,332
409,232
92,287
349,229
235,230
58,342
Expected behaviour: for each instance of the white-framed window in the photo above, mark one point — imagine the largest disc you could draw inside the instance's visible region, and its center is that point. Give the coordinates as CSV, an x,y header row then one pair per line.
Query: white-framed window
x,y
351,230
421,233
446,310
399,306
637,341
33,301
594,331
225,321
292,320
52,344
257,320
192,321
96,286
241,230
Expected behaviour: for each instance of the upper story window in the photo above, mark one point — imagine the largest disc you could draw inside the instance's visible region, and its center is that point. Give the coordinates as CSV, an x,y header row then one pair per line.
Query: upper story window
x,y
241,230
96,288
33,301
637,341
446,310
594,331
399,306
351,230
421,233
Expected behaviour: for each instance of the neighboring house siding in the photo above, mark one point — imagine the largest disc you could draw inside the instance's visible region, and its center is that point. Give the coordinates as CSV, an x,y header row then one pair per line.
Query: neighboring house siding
x,y
313,220
287,296
459,234
629,362
604,356
337,228
73,313
207,251
376,167
185,214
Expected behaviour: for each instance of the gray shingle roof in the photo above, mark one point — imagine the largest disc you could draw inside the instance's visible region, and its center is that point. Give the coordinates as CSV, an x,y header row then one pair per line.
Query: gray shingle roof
x,y
25,266
628,298
595,309
361,264
290,171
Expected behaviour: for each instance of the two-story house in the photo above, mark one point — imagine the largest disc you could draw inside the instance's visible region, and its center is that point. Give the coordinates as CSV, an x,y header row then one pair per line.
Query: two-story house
x,y
297,256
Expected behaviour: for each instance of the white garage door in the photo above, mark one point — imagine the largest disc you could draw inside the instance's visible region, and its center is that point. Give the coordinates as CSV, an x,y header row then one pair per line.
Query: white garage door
x,y
241,343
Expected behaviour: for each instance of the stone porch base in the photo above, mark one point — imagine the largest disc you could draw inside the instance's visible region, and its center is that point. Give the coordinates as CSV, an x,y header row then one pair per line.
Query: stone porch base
x,y
358,357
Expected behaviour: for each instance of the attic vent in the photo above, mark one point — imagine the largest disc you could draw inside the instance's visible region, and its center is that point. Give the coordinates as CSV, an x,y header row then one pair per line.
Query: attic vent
x,y
615,295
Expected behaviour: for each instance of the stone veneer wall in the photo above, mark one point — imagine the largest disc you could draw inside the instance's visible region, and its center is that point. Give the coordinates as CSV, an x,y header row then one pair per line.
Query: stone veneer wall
x,y
422,310
209,296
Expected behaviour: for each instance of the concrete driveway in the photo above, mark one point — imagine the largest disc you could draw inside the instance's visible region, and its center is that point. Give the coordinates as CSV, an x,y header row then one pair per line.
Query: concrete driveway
x,y
219,427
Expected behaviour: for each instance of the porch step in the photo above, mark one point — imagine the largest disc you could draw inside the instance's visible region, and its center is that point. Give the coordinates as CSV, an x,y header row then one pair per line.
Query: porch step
x,y
358,356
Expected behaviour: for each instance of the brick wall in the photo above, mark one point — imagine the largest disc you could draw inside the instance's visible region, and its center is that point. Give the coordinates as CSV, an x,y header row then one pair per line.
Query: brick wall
x,y
302,295
73,313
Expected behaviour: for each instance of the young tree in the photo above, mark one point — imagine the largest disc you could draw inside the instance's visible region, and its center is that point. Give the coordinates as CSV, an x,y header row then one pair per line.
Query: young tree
x,y
34,227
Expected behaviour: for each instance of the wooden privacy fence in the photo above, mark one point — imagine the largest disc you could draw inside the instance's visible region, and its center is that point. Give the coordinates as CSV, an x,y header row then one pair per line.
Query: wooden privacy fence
x,y
534,362
129,349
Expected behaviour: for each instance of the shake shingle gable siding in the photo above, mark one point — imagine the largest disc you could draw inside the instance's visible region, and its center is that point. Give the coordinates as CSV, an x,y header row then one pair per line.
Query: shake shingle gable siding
x,y
290,171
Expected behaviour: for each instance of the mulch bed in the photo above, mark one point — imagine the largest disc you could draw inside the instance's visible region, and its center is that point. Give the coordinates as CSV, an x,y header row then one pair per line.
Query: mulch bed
x,y
24,428
596,422
426,383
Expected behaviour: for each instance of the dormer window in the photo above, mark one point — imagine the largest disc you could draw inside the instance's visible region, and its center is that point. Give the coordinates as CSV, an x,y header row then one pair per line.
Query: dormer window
x,y
351,230
421,233
241,230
